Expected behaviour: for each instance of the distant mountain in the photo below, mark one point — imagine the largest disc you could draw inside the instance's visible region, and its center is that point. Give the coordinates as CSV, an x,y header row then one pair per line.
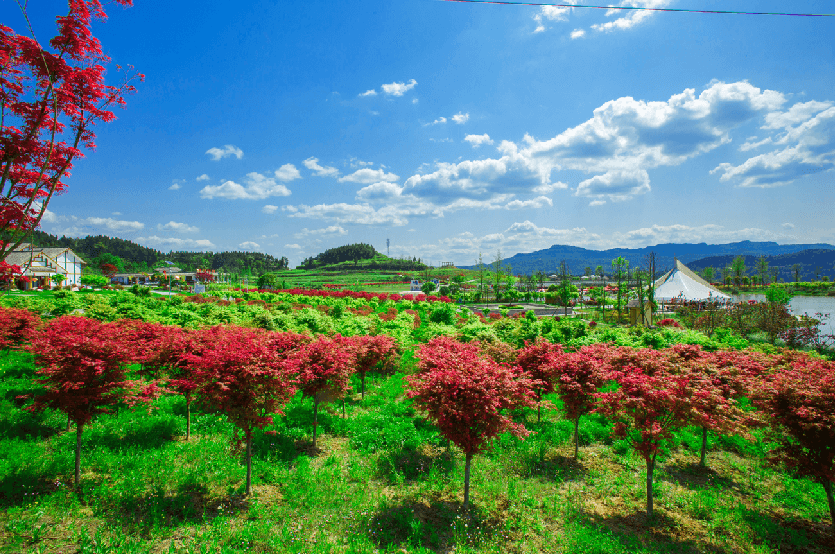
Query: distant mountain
x,y
578,259
813,264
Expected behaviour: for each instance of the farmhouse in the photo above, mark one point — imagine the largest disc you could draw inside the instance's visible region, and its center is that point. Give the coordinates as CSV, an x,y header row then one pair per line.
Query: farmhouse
x,y
40,264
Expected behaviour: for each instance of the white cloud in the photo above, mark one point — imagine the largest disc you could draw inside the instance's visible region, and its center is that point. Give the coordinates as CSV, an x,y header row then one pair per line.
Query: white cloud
x,y
379,191
269,209
534,203
631,17
318,170
367,176
800,112
203,177
50,217
175,186
256,186
678,233
370,92
331,230
293,246
806,147
249,245
615,185
287,173
787,226
440,120
226,151
155,240
551,13
179,227
362,214
478,140
415,100
578,33
597,203
461,118
113,224
399,89
355,163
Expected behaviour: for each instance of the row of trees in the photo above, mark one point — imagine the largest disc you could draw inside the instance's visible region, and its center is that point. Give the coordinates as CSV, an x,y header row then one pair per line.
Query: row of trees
x,y
246,374
468,390
736,272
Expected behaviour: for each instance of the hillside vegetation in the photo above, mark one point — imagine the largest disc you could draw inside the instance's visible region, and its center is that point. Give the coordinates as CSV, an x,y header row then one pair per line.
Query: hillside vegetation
x,y
359,255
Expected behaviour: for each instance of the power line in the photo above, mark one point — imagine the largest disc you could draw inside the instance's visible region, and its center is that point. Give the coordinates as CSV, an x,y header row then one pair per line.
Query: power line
x,y
635,8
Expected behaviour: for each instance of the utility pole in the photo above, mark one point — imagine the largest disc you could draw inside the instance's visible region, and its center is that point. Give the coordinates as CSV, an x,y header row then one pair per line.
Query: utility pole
x,y
388,252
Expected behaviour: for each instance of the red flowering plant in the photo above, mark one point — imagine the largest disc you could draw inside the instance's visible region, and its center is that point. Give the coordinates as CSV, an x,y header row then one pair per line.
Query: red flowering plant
x,y
83,372
468,396
798,402
244,376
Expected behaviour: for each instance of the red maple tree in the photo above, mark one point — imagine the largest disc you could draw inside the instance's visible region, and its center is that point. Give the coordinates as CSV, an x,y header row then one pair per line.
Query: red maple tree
x,y
467,395
83,372
243,376
52,97
799,402
578,378
646,409
372,352
324,367
537,359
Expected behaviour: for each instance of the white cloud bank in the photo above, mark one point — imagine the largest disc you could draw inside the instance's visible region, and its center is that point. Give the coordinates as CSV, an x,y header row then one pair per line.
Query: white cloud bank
x,y
228,150
399,89
256,186
178,227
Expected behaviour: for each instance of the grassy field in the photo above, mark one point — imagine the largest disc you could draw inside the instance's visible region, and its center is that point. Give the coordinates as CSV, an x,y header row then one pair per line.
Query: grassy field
x,y
382,480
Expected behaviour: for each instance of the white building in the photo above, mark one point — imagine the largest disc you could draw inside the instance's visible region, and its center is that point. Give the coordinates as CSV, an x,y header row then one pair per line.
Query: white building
x,y
40,264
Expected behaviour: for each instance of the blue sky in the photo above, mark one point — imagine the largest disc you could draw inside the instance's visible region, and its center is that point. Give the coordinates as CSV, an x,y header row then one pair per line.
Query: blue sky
x,y
452,128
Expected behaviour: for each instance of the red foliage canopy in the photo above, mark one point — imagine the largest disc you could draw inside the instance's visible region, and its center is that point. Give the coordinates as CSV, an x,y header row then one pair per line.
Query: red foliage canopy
x,y
51,97
465,393
82,368
243,376
17,326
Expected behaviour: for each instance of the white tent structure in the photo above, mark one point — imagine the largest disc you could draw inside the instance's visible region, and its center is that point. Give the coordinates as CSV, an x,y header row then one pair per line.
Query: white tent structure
x,y
682,283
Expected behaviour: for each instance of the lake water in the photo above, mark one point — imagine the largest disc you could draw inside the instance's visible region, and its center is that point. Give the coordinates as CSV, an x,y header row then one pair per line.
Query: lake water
x,y
800,305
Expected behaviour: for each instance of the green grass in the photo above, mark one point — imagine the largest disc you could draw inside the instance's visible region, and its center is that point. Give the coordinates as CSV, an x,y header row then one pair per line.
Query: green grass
x,y
383,480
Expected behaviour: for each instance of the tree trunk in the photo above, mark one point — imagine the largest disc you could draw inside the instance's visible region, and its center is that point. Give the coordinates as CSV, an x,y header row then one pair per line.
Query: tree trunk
x,y
188,417
827,484
79,428
468,460
315,416
650,468
576,436
69,421
704,447
362,379
249,462
539,412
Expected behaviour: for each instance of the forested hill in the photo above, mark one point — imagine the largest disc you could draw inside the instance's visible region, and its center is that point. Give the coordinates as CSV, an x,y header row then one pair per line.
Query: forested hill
x,y
548,260
359,254
135,257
